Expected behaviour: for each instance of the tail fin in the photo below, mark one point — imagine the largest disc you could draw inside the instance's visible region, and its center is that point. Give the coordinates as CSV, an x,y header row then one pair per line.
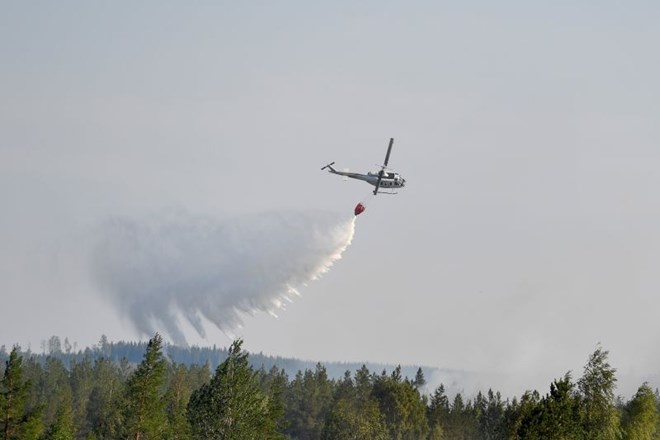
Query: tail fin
x,y
329,166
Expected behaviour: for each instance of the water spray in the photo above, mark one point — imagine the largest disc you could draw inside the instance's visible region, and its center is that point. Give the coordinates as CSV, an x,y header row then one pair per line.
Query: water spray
x,y
205,270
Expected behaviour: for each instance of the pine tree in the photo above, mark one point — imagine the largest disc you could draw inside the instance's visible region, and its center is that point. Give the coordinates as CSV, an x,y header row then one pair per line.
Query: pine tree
x,y
309,397
401,405
17,422
106,401
145,414
350,420
363,382
491,416
274,384
55,388
231,406
176,402
559,413
354,414
62,428
461,422
521,417
81,376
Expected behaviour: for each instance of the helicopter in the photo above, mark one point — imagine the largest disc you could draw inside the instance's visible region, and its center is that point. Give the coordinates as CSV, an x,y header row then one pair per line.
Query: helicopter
x,y
381,179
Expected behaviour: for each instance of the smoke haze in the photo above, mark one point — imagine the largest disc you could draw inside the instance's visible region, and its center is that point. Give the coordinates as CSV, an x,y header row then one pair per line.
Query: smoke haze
x,y
178,266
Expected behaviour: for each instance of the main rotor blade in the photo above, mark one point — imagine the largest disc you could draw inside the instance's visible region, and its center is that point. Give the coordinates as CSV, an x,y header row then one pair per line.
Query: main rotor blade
x,y
380,177
389,150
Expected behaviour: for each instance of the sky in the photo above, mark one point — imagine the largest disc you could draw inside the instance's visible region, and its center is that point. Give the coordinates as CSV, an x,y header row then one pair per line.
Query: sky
x,y
527,133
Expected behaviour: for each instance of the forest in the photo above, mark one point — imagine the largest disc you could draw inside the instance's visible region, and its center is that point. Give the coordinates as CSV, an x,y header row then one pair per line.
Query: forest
x,y
94,394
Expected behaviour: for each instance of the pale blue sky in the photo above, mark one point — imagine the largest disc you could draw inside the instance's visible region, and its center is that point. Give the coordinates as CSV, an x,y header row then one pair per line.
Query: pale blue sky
x,y
528,133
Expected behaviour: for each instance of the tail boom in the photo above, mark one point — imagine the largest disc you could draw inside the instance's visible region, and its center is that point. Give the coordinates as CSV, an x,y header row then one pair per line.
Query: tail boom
x,y
331,170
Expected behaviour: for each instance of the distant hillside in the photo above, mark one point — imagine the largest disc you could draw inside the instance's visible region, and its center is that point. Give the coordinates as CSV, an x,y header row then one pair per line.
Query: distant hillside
x,y
133,352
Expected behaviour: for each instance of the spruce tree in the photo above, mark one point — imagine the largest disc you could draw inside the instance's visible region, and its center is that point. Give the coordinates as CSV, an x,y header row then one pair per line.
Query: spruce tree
x,y
437,413
420,380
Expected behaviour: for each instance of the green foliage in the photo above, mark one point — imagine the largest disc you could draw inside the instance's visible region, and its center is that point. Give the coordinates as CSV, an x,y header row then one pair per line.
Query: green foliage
x,y
106,400
274,384
560,416
82,382
420,380
586,412
232,406
54,387
101,399
489,412
17,421
461,423
557,416
176,403
640,419
144,416
351,420
309,397
354,413
601,420
521,417
62,428
438,413
401,405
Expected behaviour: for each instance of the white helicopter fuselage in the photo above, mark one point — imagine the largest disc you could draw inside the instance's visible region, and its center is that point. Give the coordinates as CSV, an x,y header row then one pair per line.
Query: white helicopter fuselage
x,y
388,180
379,179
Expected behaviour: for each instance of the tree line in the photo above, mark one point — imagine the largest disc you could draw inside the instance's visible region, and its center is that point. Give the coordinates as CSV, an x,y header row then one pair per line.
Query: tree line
x,y
132,351
158,398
